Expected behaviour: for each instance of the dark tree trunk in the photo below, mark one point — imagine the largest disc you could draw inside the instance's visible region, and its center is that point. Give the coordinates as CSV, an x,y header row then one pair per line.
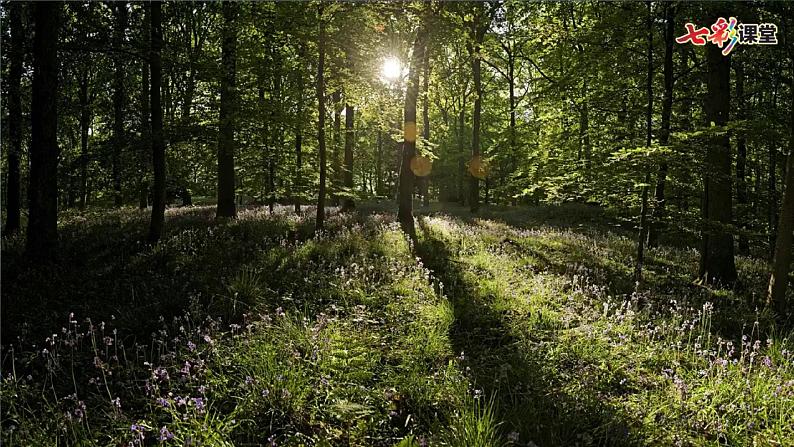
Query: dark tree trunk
x,y
771,185
348,204
336,166
143,162
320,220
405,201
664,132
649,132
379,165
741,162
511,81
16,56
226,206
426,123
781,263
118,99
85,122
298,186
42,233
462,149
716,258
477,34
585,150
158,143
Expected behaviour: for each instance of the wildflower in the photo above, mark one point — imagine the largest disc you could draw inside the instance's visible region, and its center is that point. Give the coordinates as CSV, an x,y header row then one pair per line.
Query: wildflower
x,y
165,434
191,346
767,361
265,392
116,403
207,339
79,410
249,380
198,402
163,402
161,374
185,369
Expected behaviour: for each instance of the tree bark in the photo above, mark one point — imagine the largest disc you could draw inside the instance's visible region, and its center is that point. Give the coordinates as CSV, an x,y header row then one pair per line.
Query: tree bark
x,y
716,258
379,165
426,123
348,204
226,206
85,123
649,132
781,260
42,232
298,182
158,144
405,201
143,184
118,99
336,166
664,131
320,220
781,263
741,162
477,34
771,185
16,56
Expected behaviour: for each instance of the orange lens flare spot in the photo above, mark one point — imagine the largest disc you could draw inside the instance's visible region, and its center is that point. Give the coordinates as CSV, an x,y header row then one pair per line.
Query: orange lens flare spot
x,y
409,132
478,167
421,165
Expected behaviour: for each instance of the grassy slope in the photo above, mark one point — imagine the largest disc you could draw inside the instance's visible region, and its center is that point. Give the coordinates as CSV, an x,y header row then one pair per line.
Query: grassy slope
x,y
519,326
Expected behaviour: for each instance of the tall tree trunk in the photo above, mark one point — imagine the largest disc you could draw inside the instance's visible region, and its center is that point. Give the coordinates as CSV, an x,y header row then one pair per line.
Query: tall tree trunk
x,y
462,149
336,166
405,202
226,205
158,143
379,165
771,185
716,258
426,122
477,34
298,182
585,150
42,233
143,162
649,132
511,83
741,162
664,132
16,56
85,123
348,204
118,98
781,263
320,220
781,260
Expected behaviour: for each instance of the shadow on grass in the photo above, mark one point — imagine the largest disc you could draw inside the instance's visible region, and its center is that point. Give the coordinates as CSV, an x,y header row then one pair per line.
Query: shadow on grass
x,y
526,387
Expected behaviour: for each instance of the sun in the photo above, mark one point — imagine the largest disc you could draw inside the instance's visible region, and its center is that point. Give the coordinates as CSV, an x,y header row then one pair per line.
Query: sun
x,y
392,69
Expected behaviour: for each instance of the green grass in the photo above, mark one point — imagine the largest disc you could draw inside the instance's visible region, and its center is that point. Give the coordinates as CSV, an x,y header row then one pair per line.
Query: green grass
x,y
515,327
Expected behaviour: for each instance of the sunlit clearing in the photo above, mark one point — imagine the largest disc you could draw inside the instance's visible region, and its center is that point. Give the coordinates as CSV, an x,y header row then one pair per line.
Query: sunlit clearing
x,y
391,68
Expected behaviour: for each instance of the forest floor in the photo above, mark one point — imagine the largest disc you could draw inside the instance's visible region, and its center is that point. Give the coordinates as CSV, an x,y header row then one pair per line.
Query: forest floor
x,y
518,326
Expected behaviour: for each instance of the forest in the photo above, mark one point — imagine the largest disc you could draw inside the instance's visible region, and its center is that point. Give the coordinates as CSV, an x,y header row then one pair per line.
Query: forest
x,y
397,223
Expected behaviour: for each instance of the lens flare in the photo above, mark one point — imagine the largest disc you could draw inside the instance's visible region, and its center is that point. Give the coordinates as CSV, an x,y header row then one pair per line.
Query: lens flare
x,y
392,68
